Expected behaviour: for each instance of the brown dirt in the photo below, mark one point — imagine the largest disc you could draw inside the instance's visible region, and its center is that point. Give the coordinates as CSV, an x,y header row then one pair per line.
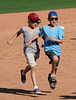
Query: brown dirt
x,y
12,60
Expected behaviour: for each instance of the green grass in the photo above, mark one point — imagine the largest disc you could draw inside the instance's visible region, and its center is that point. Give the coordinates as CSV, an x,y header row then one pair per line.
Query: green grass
x,y
10,6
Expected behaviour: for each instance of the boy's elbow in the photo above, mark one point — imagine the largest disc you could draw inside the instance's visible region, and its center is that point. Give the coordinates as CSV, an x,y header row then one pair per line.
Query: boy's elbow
x,y
18,33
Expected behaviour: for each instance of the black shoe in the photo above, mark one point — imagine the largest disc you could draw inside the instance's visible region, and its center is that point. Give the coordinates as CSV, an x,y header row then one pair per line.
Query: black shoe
x,y
23,77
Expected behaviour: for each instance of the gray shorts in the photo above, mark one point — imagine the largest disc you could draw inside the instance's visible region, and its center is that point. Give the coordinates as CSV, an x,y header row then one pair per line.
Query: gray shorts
x,y
50,55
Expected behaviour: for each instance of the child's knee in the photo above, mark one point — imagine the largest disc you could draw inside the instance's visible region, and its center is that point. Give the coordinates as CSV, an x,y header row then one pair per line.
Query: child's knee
x,y
55,59
33,69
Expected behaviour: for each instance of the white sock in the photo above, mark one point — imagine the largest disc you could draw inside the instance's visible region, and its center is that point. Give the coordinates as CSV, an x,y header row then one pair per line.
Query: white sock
x,y
35,87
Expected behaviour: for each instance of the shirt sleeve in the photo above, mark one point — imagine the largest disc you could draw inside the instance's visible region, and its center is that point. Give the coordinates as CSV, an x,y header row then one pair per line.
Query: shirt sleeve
x,y
41,32
39,29
61,33
21,30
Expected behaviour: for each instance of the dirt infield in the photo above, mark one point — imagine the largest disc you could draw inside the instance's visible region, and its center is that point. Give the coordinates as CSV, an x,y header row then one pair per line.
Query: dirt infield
x,y
12,60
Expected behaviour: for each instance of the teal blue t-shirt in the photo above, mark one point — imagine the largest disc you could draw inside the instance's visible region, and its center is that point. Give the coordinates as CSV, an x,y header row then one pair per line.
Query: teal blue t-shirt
x,y
49,44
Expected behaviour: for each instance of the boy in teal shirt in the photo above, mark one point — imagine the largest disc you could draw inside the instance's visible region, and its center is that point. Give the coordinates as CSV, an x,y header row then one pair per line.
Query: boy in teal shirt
x,y
53,36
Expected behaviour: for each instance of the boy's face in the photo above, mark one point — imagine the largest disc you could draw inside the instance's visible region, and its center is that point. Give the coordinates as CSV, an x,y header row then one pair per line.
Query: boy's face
x,y
33,24
53,20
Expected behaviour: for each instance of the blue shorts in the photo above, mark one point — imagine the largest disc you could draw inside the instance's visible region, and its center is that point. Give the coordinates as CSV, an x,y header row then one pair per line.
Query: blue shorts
x,y
50,55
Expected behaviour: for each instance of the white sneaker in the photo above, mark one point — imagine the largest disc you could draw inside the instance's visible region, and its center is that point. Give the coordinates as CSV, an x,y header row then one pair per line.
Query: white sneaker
x,y
36,91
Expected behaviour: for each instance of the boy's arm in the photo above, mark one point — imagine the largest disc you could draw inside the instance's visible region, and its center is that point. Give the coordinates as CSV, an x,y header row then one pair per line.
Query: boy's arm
x,y
56,40
59,40
32,39
14,37
35,37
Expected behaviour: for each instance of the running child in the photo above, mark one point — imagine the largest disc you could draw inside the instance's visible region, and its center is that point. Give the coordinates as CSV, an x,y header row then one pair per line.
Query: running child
x,y
31,48
53,36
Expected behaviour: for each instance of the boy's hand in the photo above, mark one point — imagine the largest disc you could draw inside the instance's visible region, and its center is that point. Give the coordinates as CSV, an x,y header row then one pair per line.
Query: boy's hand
x,y
51,37
9,42
28,44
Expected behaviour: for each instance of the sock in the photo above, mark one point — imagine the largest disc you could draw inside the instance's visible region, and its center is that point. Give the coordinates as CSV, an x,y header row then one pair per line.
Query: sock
x,y
35,87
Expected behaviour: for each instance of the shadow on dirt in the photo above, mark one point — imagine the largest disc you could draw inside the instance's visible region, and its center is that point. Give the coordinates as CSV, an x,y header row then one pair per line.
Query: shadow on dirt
x,y
22,92
74,93
68,97
72,38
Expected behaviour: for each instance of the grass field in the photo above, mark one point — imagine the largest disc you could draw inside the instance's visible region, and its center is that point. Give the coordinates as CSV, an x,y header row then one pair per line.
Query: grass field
x,y
10,6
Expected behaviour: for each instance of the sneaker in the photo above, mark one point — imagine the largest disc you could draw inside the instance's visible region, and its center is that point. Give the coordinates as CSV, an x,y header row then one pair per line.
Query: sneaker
x,y
23,77
36,91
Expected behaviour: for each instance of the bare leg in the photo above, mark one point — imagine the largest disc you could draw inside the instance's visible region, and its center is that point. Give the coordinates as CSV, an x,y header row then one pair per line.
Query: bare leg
x,y
33,77
55,70
55,59
28,68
